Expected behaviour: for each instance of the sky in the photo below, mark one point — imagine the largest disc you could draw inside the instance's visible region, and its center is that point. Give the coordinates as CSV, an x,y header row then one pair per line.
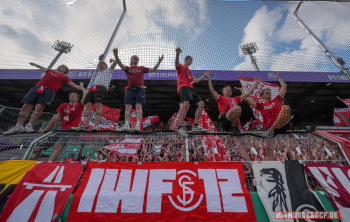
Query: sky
x,y
210,31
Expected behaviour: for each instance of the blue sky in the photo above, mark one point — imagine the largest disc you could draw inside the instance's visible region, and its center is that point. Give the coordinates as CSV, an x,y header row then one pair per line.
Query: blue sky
x,y
210,31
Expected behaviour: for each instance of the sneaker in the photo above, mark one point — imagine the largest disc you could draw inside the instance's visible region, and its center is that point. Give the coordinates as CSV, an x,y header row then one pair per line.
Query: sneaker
x,y
235,130
29,129
95,128
80,128
137,128
198,128
15,129
125,128
180,131
268,133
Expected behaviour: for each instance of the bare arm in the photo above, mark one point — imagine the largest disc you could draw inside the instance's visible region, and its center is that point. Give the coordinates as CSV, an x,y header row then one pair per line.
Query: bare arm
x,y
114,63
251,90
54,119
38,66
157,65
72,84
247,99
115,52
283,89
211,89
178,51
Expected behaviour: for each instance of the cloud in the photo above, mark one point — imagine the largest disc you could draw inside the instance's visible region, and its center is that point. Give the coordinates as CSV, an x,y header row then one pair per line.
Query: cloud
x,y
284,45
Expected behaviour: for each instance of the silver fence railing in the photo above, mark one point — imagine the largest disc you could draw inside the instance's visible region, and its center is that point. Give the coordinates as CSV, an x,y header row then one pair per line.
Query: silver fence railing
x,y
9,115
169,147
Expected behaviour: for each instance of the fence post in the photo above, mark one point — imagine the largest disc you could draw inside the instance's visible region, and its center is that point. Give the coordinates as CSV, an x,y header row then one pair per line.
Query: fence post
x,y
29,149
187,156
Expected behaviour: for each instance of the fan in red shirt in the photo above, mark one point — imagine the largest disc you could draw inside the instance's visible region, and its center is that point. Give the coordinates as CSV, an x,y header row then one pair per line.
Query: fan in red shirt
x,y
135,92
186,91
276,115
229,108
40,96
70,115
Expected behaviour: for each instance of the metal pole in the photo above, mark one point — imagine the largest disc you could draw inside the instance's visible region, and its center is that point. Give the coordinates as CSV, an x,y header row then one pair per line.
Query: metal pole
x,y
30,147
187,155
55,60
320,43
109,43
252,59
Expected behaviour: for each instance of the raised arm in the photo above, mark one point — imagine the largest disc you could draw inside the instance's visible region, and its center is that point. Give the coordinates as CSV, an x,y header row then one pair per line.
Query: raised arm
x,y
52,122
115,52
114,63
178,51
251,90
157,65
283,89
211,89
80,87
38,66
84,93
247,99
203,76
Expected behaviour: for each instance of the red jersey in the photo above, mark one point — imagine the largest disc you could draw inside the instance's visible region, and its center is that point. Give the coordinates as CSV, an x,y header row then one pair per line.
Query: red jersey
x,y
53,80
71,159
135,75
70,115
184,77
225,103
270,110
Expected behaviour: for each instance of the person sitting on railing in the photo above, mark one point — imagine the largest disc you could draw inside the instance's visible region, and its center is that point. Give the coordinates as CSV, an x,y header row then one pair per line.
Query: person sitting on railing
x,y
229,108
40,96
69,114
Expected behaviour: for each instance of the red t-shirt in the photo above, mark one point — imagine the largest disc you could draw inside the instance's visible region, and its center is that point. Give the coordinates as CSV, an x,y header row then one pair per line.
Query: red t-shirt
x,y
73,112
184,77
53,80
71,159
135,75
270,110
225,103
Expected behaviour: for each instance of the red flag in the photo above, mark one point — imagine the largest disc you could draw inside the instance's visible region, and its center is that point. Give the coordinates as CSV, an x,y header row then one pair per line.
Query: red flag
x,y
346,101
247,83
146,121
342,117
166,192
43,192
109,119
126,147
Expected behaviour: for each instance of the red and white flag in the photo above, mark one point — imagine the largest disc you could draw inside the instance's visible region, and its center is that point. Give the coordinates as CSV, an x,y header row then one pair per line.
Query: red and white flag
x,y
126,147
109,119
146,121
212,144
43,192
247,83
166,192
346,101
342,117
174,120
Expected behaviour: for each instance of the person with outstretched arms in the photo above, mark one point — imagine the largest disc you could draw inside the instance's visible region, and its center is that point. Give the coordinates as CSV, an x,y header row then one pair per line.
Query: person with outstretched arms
x,y
185,89
135,92
229,108
40,96
96,94
276,115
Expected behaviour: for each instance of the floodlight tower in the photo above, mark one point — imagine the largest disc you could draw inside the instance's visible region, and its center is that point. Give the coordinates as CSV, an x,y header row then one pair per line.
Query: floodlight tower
x,y
61,47
339,62
250,49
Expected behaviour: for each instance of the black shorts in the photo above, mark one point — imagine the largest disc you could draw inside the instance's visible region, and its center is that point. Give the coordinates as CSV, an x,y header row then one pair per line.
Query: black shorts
x,y
97,96
188,94
225,124
33,97
135,97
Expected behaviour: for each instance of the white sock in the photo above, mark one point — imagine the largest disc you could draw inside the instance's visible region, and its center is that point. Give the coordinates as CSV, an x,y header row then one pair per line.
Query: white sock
x,y
127,123
138,123
29,125
18,124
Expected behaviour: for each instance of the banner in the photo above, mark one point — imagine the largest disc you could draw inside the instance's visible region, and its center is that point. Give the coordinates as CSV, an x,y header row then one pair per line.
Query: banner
x,y
126,147
146,121
247,83
11,173
43,192
282,187
174,119
212,144
335,180
345,101
342,117
167,192
109,119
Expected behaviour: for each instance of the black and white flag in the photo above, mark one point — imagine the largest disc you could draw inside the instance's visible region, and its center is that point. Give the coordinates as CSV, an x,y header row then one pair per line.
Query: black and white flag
x,y
282,187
